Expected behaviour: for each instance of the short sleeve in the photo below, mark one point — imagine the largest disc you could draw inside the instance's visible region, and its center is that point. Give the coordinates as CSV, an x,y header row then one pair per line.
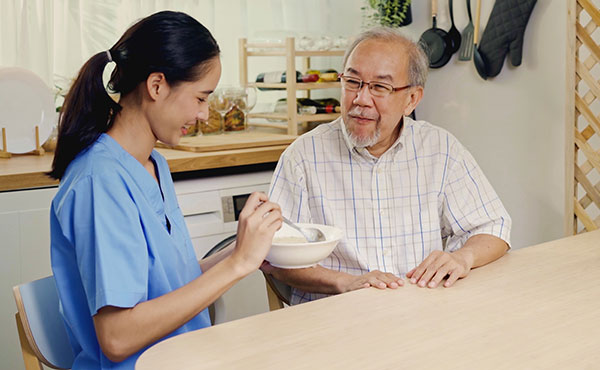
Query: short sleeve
x,y
288,187
101,220
470,204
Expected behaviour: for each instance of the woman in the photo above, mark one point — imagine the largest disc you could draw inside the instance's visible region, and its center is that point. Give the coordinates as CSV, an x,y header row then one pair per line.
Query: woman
x,y
122,258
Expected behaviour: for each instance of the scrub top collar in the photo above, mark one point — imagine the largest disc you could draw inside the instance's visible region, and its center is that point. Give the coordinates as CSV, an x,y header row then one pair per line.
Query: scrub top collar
x,y
150,188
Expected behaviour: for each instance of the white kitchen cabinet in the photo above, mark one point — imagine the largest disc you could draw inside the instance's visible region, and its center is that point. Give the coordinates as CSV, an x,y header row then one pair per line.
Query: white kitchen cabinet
x,y
24,256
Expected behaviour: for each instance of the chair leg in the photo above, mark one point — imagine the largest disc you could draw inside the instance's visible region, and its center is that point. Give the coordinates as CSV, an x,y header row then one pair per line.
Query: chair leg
x,y
274,301
29,358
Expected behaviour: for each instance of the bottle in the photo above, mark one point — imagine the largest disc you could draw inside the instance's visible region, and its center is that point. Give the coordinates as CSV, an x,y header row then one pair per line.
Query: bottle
x,y
327,105
325,75
309,106
280,77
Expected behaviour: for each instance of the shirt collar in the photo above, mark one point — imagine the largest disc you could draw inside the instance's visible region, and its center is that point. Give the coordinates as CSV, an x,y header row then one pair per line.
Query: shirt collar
x,y
363,152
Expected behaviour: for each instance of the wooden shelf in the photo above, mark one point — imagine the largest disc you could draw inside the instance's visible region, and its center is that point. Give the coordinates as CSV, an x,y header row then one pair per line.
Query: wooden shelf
x,y
299,85
298,53
286,49
299,117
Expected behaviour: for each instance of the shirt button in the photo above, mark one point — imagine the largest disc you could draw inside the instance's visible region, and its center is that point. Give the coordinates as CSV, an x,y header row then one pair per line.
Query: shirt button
x,y
379,171
382,212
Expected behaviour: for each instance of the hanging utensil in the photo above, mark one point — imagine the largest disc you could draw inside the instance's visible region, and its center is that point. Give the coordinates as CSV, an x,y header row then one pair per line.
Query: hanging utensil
x,y
436,42
453,34
477,57
466,43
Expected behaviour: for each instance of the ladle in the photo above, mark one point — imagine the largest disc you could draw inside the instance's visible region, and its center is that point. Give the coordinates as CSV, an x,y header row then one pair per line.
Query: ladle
x,y
312,234
453,34
477,57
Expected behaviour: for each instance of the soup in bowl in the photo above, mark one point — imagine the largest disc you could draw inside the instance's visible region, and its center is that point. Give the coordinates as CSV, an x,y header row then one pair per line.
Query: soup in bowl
x,y
290,249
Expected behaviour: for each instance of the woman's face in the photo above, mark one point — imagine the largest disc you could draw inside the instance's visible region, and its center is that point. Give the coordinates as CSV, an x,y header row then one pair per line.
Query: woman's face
x,y
183,104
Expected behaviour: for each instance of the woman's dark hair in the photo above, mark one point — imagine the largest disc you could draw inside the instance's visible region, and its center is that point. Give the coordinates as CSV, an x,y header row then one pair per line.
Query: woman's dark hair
x,y
169,42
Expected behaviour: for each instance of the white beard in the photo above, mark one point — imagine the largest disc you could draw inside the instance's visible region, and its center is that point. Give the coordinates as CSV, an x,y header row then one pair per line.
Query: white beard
x,y
364,142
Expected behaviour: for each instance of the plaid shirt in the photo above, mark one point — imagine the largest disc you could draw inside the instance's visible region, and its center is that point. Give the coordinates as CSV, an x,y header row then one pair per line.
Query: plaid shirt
x,y
425,193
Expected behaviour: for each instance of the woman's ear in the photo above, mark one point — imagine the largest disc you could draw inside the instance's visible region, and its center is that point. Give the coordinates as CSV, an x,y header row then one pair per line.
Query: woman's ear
x,y
157,86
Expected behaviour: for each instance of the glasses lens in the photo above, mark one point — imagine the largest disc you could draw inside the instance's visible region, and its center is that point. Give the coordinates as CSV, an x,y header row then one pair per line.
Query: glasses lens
x,y
352,84
380,88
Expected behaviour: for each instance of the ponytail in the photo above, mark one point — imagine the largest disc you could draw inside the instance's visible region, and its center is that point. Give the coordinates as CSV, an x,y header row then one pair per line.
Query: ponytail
x,y
86,113
172,43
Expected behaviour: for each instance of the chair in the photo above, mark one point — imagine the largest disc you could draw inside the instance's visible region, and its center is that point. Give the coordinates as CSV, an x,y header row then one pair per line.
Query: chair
x,y
40,325
41,329
217,309
278,293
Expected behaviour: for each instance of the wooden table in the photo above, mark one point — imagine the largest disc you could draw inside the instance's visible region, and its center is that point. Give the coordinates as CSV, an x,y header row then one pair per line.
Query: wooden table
x,y
535,308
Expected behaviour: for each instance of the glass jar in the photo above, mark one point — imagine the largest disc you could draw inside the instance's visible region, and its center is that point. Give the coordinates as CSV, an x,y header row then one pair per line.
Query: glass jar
x,y
214,124
235,118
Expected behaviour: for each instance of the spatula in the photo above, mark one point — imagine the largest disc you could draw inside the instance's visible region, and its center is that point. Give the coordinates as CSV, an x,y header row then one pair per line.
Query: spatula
x,y
466,44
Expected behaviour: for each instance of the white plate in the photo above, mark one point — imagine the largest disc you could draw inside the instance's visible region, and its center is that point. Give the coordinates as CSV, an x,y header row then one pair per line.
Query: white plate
x,y
25,101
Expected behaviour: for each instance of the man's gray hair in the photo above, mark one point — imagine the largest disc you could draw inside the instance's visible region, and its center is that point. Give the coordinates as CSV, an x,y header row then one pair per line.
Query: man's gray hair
x,y
418,62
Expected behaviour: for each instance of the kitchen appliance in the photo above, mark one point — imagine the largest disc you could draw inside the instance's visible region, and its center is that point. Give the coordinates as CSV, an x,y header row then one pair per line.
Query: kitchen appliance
x,y
211,207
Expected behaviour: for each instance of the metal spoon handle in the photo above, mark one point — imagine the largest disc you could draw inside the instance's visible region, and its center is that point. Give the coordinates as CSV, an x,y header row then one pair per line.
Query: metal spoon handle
x,y
296,227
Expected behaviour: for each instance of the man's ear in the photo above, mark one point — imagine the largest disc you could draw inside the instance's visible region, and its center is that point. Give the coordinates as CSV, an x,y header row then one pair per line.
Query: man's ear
x,y
156,85
416,94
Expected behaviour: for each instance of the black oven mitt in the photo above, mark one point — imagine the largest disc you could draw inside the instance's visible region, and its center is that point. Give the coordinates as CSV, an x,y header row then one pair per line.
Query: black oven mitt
x,y
503,33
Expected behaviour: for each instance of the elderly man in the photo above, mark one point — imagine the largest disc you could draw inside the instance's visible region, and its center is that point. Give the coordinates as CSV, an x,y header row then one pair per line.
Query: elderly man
x,y
410,198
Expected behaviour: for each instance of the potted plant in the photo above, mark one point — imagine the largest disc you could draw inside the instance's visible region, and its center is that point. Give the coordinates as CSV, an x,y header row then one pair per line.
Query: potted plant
x,y
390,13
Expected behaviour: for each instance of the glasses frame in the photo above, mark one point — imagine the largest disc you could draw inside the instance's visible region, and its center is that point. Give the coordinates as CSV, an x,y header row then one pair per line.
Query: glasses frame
x,y
370,85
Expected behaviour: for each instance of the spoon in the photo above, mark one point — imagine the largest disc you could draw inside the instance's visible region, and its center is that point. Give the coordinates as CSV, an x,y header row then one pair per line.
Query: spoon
x,y
311,234
477,57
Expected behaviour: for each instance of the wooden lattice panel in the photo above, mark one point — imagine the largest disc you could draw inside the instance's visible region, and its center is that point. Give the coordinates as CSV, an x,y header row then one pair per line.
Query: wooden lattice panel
x,y
584,150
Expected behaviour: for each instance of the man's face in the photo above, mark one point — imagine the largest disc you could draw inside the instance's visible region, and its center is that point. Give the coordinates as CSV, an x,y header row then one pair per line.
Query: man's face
x,y
371,121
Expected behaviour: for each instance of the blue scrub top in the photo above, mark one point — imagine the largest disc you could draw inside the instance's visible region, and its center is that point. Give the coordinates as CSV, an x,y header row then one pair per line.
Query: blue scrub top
x,y
117,239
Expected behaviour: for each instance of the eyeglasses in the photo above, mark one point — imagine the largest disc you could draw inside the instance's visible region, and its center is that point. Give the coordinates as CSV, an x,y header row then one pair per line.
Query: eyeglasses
x,y
376,88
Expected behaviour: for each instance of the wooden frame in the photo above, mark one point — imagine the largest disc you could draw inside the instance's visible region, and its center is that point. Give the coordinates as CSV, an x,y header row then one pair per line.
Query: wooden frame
x,y
582,151
275,296
32,356
4,153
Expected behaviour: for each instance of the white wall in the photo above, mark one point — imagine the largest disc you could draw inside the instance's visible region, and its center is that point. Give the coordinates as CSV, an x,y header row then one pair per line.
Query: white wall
x,y
512,124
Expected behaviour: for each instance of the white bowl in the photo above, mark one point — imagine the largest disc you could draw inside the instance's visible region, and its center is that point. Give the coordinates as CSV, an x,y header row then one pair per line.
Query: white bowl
x,y
294,255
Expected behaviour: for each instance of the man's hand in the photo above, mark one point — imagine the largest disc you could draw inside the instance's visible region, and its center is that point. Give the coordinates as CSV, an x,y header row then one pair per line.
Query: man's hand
x,y
478,250
318,279
376,278
437,266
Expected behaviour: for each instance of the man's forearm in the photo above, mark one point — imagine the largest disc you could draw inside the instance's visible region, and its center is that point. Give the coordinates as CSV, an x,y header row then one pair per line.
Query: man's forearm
x,y
482,249
317,279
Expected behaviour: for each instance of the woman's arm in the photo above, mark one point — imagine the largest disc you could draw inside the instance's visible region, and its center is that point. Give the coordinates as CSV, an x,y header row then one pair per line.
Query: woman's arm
x,y
122,332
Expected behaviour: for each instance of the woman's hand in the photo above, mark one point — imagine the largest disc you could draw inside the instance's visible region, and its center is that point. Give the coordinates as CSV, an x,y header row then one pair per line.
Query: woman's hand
x,y
258,222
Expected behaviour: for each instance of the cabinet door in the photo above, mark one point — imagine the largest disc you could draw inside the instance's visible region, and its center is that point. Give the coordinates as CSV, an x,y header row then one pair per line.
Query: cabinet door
x,y
24,256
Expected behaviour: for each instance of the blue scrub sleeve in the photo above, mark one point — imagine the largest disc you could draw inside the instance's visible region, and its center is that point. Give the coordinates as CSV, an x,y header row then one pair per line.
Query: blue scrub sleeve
x,y
109,241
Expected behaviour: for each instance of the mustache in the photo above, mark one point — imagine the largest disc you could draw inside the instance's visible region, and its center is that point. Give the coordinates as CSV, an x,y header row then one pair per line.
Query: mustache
x,y
359,112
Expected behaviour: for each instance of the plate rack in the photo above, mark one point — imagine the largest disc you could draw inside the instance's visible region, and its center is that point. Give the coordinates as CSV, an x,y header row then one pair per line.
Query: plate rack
x,y
4,153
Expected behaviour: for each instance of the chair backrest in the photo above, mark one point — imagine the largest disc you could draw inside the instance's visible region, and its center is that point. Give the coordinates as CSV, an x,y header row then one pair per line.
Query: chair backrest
x,y
217,309
41,328
278,292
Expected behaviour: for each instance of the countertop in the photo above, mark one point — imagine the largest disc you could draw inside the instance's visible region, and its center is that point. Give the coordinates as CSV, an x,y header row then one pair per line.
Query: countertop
x,y
28,171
